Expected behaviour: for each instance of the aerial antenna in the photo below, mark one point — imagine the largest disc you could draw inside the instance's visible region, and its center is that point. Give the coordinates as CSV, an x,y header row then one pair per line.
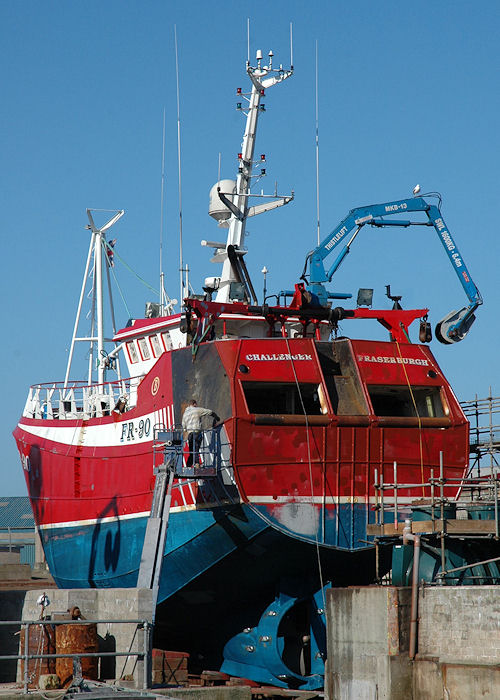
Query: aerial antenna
x,y
317,146
291,46
248,41
181,259
162,200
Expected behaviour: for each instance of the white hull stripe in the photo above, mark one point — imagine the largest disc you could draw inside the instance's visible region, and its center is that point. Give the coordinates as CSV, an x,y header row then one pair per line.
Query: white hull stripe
x,y
111,519
123,432
130,516
261,500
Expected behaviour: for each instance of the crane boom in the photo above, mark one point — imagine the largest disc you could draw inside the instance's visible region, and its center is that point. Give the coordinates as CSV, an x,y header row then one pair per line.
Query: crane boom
x,y
456,324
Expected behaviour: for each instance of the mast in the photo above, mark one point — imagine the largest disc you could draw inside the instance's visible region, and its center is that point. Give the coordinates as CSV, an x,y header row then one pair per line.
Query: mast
x,y
97,245
262,77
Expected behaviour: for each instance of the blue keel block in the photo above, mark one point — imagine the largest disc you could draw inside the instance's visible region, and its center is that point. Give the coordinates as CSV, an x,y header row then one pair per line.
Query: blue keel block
x,y
286,649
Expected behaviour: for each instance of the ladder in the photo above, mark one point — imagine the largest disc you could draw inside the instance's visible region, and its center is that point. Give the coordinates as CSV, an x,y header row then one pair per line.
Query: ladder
x,y
156,529
172,444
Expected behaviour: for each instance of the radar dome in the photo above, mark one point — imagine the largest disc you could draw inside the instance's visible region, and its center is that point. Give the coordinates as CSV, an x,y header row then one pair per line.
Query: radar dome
x,y
216,208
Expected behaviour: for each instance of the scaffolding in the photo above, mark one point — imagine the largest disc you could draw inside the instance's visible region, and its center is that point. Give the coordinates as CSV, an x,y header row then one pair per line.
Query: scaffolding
x,y
484,418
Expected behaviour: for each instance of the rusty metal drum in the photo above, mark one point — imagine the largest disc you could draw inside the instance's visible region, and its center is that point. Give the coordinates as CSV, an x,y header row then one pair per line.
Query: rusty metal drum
x,y
76,639
41,640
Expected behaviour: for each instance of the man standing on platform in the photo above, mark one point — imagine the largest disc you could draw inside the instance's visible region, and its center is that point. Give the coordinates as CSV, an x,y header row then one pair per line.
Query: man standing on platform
x,y
191,423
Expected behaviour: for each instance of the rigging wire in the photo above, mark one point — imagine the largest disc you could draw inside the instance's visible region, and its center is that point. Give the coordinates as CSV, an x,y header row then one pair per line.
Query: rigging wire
x,y
116,255
418,417
320,571
129,314
317,147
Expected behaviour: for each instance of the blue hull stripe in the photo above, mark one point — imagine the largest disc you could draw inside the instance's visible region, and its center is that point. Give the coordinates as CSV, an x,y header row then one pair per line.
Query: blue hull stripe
x,y
107,554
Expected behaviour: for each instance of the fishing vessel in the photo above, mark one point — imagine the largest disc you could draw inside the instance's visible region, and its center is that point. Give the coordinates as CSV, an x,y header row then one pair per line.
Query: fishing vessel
x,y
269,506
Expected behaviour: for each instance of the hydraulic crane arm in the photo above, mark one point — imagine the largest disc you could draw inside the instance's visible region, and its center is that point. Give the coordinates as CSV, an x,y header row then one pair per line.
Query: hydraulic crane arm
x,y
455,325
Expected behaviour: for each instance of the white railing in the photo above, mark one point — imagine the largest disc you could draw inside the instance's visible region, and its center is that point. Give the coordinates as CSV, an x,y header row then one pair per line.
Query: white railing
x,y
78,399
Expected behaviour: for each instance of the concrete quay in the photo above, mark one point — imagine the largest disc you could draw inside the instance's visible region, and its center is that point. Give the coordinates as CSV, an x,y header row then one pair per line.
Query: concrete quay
x,y
9,691
368,633
124,675
458,644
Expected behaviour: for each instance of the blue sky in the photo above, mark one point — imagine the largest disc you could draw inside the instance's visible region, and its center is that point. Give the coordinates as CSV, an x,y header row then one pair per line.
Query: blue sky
x,y
408,92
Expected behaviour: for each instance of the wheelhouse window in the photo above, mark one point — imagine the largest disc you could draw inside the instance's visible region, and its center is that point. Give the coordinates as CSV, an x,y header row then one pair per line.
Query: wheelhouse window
x,y
144,348
280,398
397,401
155,344
167,341
132,352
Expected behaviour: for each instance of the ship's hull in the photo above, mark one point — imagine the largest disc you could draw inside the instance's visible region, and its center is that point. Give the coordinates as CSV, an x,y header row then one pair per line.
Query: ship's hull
x,y
107,554
293,486
96,540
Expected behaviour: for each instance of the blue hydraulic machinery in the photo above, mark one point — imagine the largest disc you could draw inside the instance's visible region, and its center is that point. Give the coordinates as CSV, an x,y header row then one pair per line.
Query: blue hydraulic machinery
x,y
456,324
272,651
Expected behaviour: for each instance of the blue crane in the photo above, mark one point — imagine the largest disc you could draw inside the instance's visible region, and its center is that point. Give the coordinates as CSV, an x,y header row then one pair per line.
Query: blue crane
x,y
456,324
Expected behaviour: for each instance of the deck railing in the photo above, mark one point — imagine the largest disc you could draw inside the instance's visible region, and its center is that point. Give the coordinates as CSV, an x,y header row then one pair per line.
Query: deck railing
x,y
67,401
204,454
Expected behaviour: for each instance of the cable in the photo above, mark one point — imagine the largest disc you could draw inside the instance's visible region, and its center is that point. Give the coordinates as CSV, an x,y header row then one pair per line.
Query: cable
x,y
121,294
108,248
418,417
310,472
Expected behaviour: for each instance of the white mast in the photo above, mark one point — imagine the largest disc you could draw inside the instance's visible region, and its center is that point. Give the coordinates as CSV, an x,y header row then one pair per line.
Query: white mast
x,y
97,244
262,77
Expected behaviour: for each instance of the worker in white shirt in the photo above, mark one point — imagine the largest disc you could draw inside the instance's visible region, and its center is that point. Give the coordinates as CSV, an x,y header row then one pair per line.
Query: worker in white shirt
x,y
191,423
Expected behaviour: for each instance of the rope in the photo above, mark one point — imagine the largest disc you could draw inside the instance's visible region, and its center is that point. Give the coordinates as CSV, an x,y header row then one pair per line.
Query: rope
x,y
121,293
418,417
320,572
108,248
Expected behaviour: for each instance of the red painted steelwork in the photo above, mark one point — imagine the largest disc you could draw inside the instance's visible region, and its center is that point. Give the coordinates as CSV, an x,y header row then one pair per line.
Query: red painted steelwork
x,y
335,456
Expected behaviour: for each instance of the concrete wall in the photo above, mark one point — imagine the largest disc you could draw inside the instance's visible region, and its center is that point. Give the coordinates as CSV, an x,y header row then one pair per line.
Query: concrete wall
x,y
458,653
458,643
460,622
367,639
15,571
16,540
104,604
11,608
10,555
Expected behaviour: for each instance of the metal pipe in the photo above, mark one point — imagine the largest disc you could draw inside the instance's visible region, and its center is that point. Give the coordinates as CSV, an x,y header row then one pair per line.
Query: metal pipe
x,y
78,312
90,654
468,566
495,492
441,494
26,657
432,496
382,499
395,495
100,314
145,661
408,536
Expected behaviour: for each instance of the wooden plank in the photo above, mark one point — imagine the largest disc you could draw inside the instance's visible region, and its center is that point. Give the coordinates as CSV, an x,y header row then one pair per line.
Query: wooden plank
x,y
452,527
